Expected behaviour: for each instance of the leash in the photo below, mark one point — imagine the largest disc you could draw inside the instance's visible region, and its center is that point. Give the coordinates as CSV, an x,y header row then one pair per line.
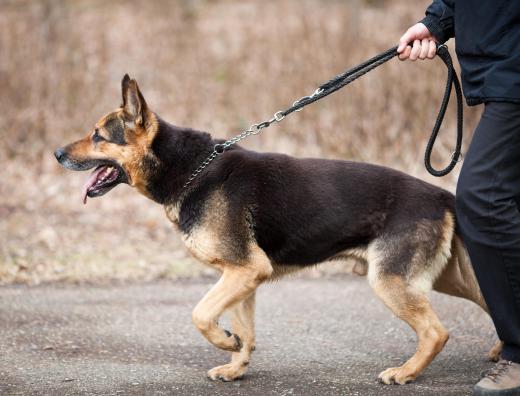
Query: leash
x,y
346,78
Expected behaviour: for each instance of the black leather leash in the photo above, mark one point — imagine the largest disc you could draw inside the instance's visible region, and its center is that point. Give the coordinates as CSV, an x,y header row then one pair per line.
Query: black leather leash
x,y
346,78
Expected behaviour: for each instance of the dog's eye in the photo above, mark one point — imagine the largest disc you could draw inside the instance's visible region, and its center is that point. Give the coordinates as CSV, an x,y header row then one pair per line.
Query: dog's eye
x,y
97,137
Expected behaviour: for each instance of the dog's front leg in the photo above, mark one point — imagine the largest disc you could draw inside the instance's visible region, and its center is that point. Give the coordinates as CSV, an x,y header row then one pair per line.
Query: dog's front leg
x,y
234,290
242,323
237,283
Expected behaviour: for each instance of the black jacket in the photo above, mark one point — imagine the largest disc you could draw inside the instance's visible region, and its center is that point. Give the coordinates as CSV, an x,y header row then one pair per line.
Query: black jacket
x,y
487,44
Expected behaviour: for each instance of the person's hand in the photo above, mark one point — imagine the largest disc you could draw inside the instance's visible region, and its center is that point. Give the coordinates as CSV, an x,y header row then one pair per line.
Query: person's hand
x,y
424,43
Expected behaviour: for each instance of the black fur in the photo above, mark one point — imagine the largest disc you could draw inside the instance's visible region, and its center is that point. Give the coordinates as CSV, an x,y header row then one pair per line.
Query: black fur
x,y
179,151
116,129
301,211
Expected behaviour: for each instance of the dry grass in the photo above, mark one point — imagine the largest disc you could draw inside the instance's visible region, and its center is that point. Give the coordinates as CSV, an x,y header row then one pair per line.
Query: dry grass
x,y
215,66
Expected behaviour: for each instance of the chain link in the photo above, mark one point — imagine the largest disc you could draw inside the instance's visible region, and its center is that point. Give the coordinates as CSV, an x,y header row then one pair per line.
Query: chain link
x,y
254,129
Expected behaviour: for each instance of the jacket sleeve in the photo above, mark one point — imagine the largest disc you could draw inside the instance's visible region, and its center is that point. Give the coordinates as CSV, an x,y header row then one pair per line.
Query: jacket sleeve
x,y
440,19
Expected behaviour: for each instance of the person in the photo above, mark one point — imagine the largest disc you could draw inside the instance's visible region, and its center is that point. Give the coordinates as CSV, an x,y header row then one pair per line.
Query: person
x,y
487,44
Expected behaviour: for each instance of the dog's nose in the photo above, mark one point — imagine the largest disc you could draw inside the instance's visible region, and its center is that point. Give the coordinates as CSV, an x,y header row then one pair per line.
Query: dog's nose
x,y
59,154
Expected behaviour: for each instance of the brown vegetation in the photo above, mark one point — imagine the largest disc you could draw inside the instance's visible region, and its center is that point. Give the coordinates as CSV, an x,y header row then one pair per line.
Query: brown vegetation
x,y
213,65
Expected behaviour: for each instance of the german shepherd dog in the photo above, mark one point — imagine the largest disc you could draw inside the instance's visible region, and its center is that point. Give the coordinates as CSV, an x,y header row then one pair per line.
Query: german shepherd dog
x,y
256,216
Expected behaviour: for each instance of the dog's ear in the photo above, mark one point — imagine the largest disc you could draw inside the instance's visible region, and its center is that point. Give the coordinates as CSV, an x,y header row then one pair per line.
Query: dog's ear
x,y
133,100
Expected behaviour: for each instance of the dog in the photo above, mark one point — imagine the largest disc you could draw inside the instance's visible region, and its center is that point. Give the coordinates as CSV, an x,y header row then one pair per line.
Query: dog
x,y
257,216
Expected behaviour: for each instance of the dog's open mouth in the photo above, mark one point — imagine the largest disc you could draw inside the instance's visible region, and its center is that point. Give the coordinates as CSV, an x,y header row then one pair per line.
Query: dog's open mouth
x,y
101,180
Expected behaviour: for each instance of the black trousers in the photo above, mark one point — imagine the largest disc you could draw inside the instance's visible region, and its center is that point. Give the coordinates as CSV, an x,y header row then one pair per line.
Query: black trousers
x,y
488,217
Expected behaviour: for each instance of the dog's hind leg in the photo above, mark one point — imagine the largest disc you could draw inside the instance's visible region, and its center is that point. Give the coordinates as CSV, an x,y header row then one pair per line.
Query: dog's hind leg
x,y
412,306
242,323
402,266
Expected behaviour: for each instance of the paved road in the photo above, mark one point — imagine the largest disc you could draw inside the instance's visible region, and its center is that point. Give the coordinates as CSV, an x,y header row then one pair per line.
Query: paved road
x,y
314,337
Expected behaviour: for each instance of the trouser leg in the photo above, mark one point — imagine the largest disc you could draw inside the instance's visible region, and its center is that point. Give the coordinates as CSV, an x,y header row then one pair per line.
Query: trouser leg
x,y
488,217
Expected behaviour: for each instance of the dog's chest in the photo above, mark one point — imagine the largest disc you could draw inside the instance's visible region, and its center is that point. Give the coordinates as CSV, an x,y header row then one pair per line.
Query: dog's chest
x,y
202,241
203,244
172,212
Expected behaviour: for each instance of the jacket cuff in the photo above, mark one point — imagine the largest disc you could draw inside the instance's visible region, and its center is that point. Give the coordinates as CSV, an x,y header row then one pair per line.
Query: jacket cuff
x,y
435,27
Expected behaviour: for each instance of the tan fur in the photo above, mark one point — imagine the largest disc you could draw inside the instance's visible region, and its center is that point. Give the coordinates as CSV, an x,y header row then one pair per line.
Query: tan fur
x,y
129,156
496,351
242,324
237,284
355,261
280,271
83,150
358,258
131,160
204,244
431,268
448,270
172,212
458,279
209,241
412,306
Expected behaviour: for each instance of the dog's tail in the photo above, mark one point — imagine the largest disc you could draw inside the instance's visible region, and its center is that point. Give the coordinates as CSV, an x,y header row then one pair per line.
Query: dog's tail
x,y
458,278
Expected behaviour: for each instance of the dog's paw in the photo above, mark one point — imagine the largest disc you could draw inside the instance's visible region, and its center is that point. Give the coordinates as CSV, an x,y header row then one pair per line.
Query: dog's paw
x,y
495,352
234,342
227,372
397,375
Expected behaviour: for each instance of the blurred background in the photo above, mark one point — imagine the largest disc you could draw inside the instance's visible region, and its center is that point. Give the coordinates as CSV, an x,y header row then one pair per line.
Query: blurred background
x,y
216,66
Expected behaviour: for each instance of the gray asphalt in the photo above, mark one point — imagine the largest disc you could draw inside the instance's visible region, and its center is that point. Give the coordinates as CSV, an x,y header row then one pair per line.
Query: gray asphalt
x,y
314,337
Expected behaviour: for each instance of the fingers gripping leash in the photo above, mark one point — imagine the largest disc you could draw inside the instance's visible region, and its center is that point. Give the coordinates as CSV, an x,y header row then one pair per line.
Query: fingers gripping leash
x,y
346,78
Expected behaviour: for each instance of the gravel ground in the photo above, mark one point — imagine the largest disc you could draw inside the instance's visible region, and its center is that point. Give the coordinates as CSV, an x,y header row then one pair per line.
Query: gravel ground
x,y
322,336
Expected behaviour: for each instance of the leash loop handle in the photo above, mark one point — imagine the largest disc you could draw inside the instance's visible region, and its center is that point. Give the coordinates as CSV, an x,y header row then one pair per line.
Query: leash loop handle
x,y
451,81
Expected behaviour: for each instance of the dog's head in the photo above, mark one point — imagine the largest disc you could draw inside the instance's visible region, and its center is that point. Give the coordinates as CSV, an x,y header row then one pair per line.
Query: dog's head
x,y
118,147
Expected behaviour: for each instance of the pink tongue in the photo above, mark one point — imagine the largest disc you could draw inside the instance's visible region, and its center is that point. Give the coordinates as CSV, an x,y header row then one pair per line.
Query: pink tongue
x,y
91,181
